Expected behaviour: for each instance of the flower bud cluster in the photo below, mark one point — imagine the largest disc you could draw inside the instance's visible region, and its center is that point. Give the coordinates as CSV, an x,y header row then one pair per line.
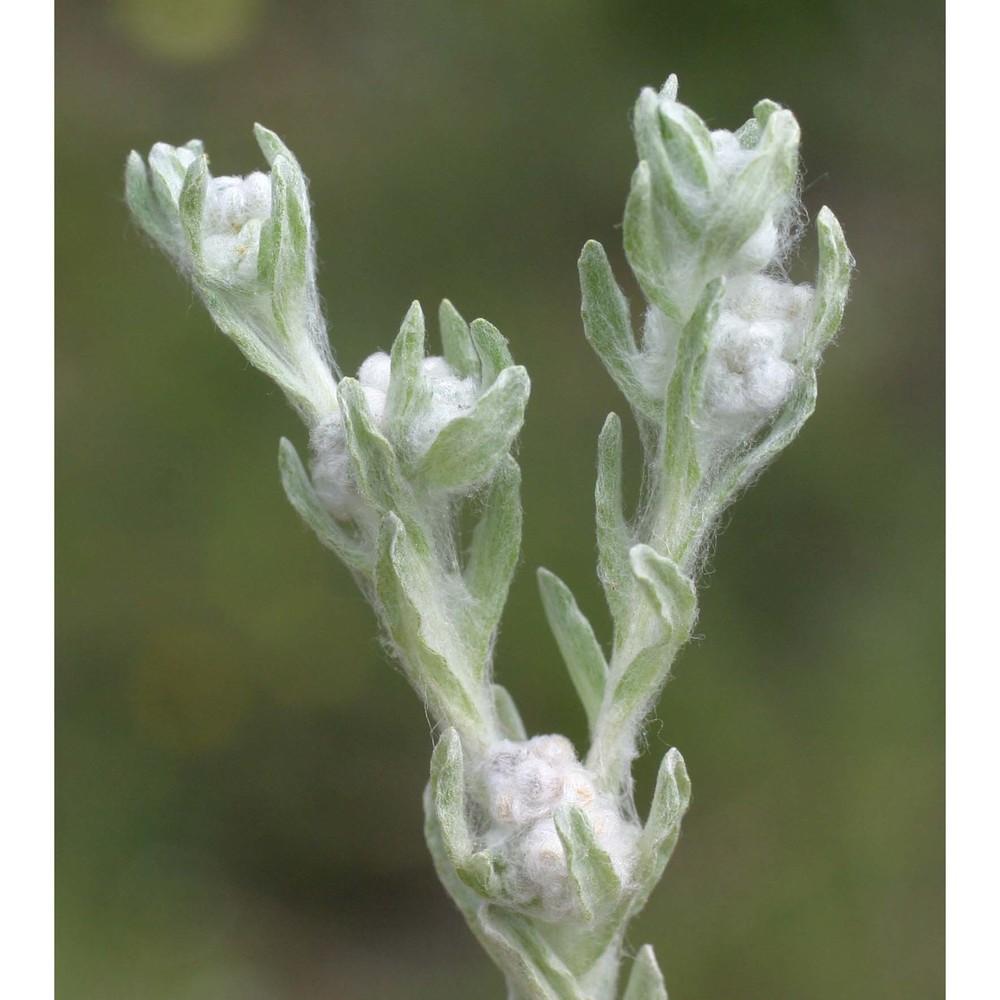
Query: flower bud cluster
x,y
754,349
525,783
730,207
246,245
231,213
235,210
332,470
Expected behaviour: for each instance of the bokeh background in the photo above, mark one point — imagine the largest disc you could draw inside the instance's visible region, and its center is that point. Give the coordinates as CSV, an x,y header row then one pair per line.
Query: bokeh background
x,y
239,766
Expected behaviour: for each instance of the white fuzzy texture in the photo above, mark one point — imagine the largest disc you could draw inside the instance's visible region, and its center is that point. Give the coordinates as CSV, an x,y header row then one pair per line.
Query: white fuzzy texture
x,y
235,209
753,357
753,348
659,351
451,397
525,782
333,468
747,372
730,155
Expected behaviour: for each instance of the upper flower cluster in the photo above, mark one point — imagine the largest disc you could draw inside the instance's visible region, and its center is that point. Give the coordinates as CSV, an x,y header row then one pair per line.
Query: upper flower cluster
x,y
247,245
442,424
711,217
723,203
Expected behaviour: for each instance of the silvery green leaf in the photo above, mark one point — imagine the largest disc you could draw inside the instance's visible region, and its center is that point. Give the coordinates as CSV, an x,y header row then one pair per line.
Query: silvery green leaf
x,y
494,550
763,110
580,649
407,390
465,898
474,868
310,388
645,981
148,211
613,536
646,130
764,184
608,327
427,646
448,787
526,956
595,881
688,146
374,459
669,591
671,205
642,248
272,147
289,227
510,718
659,836
748,134
680,458
303,497
168,166
636,687
835,265
272,233
192,206
491,347
470,447
634,691
643,245
256,343
456,341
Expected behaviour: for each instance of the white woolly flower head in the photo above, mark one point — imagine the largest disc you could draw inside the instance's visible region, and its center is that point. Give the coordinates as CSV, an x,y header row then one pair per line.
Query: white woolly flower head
x,y
755,358
448,397
235,210
755,345
209,225
748,373
416,430
525,782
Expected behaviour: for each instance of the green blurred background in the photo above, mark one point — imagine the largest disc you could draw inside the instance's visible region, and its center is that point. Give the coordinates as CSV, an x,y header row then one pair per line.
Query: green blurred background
x,y
239,765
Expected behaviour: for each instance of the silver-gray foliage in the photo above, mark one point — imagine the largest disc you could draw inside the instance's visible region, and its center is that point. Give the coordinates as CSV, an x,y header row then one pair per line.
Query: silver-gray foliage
x,y
544,853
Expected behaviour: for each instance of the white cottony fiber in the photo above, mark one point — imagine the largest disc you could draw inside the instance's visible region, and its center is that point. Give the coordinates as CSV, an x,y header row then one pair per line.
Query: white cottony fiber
x,y
451,397
374,372
235,209
525,782
753,361
332,467
747,372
